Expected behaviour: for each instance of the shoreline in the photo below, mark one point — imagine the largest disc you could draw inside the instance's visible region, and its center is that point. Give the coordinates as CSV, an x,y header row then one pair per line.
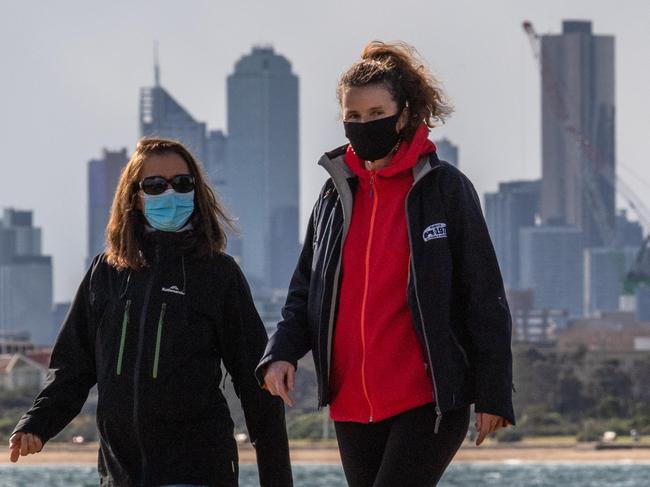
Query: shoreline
x,y
518,454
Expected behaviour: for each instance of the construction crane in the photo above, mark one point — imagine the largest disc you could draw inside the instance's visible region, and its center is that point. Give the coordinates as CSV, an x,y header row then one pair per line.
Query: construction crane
x,y
640,272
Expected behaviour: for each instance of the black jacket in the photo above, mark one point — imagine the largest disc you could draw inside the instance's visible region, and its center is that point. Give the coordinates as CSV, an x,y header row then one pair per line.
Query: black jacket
x,y
153,342
455,290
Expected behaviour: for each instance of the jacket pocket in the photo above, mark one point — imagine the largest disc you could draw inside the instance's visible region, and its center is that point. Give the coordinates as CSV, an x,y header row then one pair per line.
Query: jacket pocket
x,y
156,358
125,324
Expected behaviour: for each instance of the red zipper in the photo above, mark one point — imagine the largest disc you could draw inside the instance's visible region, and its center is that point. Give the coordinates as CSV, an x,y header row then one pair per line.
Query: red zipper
x,y
375,196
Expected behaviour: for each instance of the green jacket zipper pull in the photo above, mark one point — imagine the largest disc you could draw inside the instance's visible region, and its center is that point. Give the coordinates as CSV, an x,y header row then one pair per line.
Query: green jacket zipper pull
x,y
156,359
125,323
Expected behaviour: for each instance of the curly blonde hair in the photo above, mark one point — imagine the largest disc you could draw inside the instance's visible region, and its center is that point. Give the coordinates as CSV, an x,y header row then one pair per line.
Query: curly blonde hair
x,y
399,67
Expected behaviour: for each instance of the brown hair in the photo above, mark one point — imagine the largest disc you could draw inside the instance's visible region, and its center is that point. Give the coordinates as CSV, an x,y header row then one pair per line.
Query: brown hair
x,y
125,230
399,68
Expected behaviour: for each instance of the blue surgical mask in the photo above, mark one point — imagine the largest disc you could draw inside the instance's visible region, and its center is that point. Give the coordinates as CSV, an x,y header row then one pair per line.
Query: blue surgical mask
x,y
168,211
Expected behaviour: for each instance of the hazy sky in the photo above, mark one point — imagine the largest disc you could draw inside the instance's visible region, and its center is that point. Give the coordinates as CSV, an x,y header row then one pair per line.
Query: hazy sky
x,y
71,73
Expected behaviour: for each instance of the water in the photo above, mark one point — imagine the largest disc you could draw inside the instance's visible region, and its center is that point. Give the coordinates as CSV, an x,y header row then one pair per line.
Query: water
x,y
466,474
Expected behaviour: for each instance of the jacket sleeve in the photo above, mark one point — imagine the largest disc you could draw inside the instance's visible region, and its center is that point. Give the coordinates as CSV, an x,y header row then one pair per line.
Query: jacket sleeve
x,y
242,343
292,338
71,373
478,281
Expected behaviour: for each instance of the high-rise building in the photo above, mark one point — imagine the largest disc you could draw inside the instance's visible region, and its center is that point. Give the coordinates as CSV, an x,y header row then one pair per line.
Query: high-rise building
x,y
447,151
262,165
604,275
514,206
578,131
103,176
643,303
25,278
162,116
628,233
551,264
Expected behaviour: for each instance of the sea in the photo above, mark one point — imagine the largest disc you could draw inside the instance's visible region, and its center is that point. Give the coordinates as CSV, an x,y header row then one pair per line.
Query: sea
x,y
315,475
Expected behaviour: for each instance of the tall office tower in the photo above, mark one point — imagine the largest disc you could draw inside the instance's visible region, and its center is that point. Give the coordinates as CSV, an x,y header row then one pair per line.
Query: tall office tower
x,y
551,264
578,144
25,278
262,161
103,176
162,116
514,206
643,303
604,275
447,151
628,233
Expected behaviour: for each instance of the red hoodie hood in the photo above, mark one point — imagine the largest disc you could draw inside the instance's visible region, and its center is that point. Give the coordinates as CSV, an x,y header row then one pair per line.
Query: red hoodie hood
x,y
406,157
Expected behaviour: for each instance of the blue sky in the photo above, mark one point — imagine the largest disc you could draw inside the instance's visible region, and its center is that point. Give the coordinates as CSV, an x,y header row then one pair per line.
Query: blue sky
x,y
71,73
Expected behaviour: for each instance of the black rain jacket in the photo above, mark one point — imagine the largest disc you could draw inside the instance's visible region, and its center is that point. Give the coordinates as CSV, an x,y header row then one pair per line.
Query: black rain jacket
x,y
153,342
455,289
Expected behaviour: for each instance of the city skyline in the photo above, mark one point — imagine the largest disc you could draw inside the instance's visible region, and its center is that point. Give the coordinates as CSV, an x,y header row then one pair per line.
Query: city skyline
x,y
90,105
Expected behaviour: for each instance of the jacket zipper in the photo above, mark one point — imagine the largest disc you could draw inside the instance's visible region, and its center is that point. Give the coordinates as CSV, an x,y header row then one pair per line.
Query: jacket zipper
x,y
417,299
161,319
138,364
374,194
125,323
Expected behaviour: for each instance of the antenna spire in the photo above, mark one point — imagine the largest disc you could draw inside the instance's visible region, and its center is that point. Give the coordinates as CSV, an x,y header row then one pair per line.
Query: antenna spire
x,y
156,64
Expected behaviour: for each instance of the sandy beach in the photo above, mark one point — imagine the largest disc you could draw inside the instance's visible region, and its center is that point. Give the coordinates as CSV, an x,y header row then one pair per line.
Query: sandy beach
x,y
526,452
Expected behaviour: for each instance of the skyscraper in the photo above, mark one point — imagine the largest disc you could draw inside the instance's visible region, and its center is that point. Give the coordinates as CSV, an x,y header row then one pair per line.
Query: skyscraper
x,y
447,151
604,275
162,116
262,165
513,207
551,264
578,130
25,278
103,176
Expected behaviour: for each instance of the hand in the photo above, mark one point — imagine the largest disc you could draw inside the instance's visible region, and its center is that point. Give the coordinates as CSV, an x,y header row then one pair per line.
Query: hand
x,y
487,423
279,379
21,444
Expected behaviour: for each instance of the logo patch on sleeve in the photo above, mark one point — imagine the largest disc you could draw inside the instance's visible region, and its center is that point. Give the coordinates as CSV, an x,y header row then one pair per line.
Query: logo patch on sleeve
x,y
437,230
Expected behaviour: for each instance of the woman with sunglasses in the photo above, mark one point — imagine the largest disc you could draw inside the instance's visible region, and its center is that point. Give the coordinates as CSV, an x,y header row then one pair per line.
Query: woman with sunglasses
x,y
397,291
152,321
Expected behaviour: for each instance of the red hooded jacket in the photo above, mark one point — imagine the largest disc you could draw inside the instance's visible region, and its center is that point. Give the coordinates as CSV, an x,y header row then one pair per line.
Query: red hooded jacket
x,y
372,376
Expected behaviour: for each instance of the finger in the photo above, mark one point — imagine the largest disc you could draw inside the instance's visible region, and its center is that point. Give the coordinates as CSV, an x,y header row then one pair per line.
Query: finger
x,y
24,445
291,378
480,437
479,421
272,383
39,443
483,432
284,394
32,444
15,452
15,439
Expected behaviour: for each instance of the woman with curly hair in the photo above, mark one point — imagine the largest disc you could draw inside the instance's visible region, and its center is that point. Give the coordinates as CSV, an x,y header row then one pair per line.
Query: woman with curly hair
x,y
397,291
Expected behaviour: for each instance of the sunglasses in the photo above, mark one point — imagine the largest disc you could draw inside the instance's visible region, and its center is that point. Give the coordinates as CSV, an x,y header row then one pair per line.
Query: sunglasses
x,y
181,183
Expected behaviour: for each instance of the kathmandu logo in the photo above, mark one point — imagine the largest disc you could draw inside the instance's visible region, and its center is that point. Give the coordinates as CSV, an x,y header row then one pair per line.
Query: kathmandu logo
x,y
173,289
437,230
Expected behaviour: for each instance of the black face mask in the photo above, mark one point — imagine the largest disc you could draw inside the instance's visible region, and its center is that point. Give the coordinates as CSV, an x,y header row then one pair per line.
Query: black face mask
x,y
373,140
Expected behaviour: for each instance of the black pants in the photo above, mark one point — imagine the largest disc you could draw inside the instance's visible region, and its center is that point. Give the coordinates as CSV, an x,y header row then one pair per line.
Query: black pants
x,y
403,450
